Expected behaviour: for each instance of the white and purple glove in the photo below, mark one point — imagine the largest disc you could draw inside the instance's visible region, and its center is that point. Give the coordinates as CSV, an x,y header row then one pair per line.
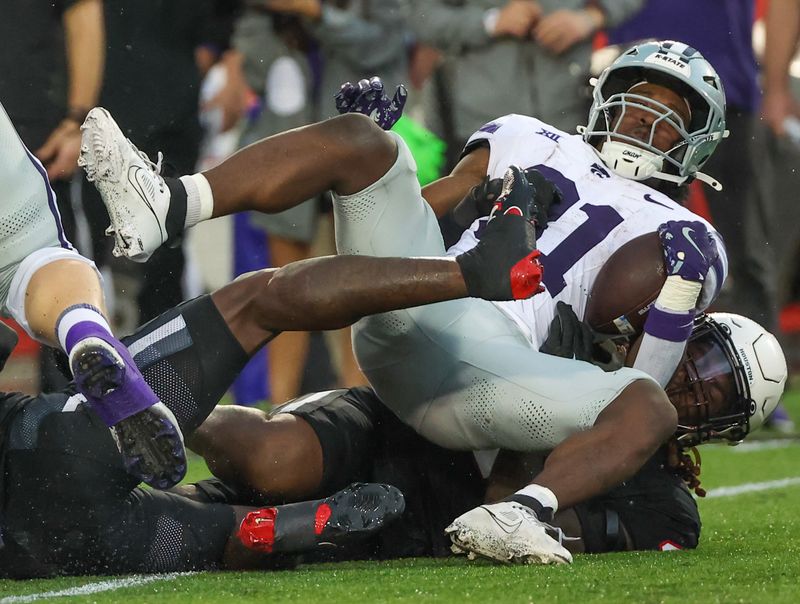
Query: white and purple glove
x,y
369,98
691,257
689,249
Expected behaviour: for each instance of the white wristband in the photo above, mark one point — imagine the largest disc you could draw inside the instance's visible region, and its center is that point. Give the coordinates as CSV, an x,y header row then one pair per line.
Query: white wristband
x,y
490,18
678,294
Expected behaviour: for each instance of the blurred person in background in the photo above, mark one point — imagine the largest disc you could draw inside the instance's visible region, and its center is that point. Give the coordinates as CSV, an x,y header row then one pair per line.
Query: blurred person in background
x,y
512,56
780,111
782,36
158,50
356,38
49,79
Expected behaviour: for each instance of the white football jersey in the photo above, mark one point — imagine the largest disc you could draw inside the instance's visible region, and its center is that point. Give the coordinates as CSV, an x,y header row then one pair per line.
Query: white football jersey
x,y
600,212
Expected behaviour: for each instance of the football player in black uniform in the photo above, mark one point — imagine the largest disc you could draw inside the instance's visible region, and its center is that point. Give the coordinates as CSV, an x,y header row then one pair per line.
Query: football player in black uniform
x,y
320,442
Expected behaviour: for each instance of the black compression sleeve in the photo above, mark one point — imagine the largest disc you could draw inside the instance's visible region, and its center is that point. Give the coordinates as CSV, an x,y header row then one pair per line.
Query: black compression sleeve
x,y
190,359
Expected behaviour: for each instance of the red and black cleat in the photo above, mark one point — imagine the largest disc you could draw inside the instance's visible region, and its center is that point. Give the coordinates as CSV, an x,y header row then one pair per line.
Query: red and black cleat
x,y
505,263
354,513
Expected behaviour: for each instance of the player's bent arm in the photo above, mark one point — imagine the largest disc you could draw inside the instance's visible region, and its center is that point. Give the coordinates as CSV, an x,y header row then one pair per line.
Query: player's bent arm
x,y
694,262
444,194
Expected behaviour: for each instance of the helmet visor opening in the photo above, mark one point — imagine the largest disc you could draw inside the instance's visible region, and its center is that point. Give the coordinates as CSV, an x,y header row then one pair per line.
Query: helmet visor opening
x,y
709,392
625,78
639,109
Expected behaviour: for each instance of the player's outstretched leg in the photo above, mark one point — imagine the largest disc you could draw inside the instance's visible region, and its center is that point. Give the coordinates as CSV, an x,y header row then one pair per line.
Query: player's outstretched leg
x,y
146,431
269,176
355,512
507,532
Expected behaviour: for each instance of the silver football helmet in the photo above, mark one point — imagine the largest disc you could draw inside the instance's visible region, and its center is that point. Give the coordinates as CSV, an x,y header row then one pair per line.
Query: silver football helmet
x,y
680,68
730,382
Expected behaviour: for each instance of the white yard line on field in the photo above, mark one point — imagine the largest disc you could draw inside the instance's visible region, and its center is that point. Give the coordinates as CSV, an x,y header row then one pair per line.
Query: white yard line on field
x,y
760,445
93,588
741,489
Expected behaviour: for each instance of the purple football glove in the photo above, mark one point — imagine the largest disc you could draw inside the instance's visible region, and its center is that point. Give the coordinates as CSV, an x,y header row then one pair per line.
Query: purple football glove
x,y
368,97
689,249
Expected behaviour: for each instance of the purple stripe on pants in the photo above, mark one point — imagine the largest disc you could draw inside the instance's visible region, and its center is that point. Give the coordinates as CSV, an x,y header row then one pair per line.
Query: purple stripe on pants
x,y
51,201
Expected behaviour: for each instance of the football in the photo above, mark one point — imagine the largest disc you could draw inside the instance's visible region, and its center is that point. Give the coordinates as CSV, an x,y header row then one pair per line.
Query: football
x,y
626,286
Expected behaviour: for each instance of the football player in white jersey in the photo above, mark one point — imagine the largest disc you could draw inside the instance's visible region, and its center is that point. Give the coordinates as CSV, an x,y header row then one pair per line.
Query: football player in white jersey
x,y
462,373
56,295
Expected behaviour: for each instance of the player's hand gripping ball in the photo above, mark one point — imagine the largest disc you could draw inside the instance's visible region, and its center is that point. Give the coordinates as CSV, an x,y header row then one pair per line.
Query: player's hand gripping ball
x,y
689,249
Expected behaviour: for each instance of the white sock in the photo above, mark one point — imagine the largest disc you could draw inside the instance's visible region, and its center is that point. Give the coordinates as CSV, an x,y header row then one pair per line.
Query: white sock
x,y
73,317
199,199
541,494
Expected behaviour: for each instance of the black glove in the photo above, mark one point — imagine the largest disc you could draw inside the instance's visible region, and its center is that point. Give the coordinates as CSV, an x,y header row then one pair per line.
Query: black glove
x,y
569,337
481,198
8,340
505,263
478,202
547,195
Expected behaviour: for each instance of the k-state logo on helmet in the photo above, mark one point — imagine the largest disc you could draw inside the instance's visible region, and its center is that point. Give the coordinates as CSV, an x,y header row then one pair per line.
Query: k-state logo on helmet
x,y
669,62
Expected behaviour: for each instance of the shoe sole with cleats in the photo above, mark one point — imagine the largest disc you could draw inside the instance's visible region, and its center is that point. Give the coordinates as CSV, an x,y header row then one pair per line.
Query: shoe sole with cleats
x,y
358,510
149,438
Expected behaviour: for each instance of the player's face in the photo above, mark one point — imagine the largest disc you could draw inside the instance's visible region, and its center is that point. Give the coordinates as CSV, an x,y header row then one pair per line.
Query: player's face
x,y
636,122
703,386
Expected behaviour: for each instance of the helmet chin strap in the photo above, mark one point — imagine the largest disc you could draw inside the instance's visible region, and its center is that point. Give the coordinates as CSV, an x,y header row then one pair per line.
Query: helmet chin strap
x,y
630,161
711,182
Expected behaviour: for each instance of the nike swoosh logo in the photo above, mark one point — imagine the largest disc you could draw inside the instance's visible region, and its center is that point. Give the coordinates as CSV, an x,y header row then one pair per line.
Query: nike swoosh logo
x,y
687,231
137,186
508,527
647,197
125,241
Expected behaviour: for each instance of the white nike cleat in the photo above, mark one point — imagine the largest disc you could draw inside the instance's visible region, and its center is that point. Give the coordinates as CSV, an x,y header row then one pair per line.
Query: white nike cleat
x,y
135,194
507,532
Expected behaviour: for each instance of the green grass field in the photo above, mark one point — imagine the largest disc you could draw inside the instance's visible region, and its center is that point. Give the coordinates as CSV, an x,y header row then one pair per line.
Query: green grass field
x,y
749,552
